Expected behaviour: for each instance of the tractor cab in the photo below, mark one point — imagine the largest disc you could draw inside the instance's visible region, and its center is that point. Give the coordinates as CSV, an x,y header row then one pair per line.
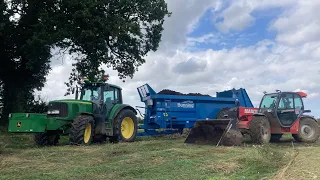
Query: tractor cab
x,y
102,95
282,107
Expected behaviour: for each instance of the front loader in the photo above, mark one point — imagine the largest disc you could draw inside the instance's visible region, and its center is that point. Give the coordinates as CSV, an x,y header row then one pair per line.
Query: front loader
x,y
97,115
279,113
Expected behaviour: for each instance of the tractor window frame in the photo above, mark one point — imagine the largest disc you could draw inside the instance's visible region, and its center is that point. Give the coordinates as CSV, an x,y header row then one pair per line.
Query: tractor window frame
x,y
291,100
111,91
91,91
117,99
273,96
296,96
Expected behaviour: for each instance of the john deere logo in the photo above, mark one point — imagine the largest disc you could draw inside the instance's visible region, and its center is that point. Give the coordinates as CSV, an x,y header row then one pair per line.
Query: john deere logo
x,y
18,124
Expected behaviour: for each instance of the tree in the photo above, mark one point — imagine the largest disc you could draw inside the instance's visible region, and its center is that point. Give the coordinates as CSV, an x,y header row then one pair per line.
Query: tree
x,y
118,33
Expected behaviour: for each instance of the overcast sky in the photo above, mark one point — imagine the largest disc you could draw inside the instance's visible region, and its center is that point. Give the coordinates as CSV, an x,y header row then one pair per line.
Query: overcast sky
x,y
214,45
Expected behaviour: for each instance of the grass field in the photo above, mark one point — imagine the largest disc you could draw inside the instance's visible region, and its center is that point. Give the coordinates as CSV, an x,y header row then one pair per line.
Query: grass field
x,y
155,158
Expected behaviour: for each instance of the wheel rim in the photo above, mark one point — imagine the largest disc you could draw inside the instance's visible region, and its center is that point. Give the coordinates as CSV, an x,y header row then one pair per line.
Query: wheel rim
x,y
87,133
307,131
127,127
264,132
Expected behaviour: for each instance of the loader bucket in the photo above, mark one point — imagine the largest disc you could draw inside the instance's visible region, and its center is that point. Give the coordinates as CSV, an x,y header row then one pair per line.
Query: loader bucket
x,y
215,132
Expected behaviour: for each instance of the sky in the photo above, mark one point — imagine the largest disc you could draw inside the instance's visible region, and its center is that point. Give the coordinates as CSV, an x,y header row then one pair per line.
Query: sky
x,y
209,46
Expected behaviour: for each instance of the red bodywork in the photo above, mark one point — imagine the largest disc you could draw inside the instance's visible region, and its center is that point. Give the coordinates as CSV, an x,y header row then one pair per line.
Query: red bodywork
x,y
246,115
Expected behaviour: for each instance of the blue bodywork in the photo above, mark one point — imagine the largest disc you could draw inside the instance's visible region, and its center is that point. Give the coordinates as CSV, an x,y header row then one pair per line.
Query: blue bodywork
x,y
173,113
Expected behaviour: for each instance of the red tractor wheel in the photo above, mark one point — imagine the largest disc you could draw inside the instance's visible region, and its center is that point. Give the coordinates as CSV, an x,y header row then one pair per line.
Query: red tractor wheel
x,y
259,130
309,131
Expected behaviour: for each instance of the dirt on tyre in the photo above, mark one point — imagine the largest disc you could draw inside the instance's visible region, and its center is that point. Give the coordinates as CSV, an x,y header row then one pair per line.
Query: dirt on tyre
x,y
259,130
82,130
125,127
309,131
46,138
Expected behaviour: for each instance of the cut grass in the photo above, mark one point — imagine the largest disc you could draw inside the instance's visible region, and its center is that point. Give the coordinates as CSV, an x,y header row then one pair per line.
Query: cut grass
x,y
148,158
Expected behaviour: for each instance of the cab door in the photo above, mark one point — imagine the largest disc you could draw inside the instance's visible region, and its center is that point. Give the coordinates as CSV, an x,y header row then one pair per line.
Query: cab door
x,y
286,110
108,100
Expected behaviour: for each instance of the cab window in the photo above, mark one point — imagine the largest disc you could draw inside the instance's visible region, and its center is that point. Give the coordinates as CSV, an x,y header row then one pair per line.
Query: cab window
x,y
117,96
298,102
109,95
286,101
112,95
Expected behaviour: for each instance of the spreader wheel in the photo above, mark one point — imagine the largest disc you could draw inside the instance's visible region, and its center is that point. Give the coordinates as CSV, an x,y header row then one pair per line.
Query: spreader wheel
x,y
82,130
308,131
259,130
125,127
46,138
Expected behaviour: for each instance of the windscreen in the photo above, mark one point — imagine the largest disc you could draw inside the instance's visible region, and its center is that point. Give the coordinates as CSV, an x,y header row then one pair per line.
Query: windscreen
x,y
90,93
269,101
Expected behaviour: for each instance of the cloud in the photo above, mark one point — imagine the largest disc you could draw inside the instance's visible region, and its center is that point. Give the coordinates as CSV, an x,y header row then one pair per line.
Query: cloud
x,y
299,24
286,63
238,16
192,65
184,18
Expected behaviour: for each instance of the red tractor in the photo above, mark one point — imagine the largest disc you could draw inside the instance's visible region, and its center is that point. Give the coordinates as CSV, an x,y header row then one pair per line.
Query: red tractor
x,y
278,113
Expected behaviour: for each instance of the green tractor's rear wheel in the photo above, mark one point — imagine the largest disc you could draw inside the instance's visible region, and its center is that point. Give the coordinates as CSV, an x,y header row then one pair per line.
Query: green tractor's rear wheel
x,y
309,131
259,129
82,130
125,127
46,138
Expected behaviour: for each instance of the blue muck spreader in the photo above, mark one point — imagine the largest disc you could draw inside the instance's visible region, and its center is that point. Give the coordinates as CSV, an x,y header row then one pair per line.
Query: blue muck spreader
x,y
169,112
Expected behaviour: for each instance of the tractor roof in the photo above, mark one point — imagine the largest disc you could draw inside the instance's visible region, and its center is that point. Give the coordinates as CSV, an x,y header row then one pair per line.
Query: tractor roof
x,y
112,85
300,93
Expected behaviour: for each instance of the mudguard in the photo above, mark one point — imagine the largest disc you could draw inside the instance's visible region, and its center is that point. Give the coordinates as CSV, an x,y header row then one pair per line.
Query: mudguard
x,y
117,108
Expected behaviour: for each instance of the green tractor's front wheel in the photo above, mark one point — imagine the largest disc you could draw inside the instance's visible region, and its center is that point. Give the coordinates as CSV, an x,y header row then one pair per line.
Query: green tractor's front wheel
x,y
125,127
46,138
82,130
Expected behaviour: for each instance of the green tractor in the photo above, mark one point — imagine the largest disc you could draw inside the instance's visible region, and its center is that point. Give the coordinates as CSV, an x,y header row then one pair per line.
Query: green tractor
x,y
97,115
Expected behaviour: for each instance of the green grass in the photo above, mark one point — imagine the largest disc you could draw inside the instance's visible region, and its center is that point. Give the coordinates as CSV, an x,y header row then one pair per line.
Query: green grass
x,y
147,158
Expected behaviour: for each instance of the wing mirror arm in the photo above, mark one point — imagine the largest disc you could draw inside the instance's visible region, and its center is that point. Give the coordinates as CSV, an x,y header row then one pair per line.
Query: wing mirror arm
x,y
306,111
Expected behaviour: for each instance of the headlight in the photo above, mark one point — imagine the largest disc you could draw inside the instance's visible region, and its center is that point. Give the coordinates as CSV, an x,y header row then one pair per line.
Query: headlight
x,y
54,112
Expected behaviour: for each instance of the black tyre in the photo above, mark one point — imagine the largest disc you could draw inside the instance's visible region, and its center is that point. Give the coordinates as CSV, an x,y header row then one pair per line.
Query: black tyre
x,y
308,131
259,130
82,130
46,138
275,137
125,127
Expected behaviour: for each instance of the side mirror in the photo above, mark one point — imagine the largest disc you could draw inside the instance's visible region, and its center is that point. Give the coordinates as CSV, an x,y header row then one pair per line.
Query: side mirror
x,y
306,111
